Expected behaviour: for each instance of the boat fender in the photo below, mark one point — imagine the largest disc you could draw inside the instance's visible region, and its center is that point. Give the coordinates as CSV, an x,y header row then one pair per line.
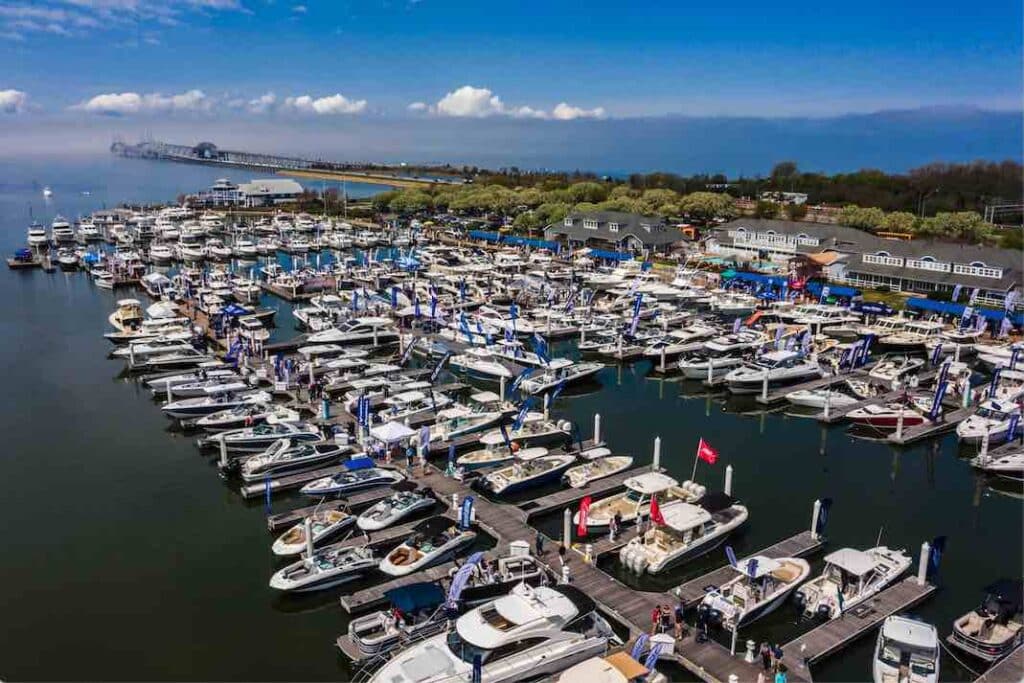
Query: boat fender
x,y
699,491
564,425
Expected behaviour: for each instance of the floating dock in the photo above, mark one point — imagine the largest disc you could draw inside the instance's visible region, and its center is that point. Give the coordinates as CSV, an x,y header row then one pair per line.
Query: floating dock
x,y
1009,669
374,596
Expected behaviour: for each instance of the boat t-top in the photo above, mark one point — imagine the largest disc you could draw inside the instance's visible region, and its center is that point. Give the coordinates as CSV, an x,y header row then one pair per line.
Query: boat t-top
x,y
850,577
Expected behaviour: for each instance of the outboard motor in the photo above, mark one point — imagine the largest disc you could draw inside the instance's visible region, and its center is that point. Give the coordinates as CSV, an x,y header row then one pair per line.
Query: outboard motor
x,y
799,602
824,612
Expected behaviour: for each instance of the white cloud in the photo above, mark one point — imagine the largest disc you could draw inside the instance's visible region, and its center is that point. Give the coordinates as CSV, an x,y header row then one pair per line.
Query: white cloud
x,y
133,103
331,104
566,112
13,101
77,18
469,101
300,9
262,104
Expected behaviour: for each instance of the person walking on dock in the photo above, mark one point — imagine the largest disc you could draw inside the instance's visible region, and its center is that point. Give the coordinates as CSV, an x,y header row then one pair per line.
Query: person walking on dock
x,y
766,656
539,544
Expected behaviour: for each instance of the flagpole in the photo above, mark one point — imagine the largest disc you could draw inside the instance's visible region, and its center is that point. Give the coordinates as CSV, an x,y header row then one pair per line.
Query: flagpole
x,y
696,459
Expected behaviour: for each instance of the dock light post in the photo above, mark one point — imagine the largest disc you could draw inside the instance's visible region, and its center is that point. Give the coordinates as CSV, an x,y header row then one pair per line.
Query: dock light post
x,y
168,387
922,563
656,462
828,403
567,528
597,428
223,453
983,453
728,480
814,519
501,387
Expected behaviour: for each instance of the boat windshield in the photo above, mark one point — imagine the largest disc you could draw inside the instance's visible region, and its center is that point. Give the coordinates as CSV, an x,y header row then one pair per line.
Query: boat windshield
x,y
463,650
896,654
992,414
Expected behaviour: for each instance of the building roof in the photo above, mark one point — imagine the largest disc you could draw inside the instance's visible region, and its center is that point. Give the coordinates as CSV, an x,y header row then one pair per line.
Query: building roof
x,y
629,225
261,186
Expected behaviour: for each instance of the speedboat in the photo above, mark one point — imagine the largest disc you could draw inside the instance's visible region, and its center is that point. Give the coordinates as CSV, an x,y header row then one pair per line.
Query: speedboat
x,y
596,468
560,371
488,581
137,350
247,416
686,340
409,404
190,408
326,568
433,540
699,367
635,501
895,368
995,628
991,422
690,530
534,431
522,475
395,507
780,367
359,475
263,436
907,651
891,415
734,342
1009,466
850,577
759,586
291,455
183,358
481,363
357,331
324,524
159,385
531,633
497,455
205,387
817,398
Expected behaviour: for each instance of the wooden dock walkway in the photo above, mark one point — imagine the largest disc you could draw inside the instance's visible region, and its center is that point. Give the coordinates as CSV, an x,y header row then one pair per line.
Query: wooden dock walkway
x,y
947,422
369,598
800,545
560,499
836,634
1009,669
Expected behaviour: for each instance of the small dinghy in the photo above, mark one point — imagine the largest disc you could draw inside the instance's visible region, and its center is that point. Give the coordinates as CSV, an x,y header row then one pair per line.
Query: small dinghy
x,y
360,474
415,612
404,502
289,456
324,524
264,436
523,475
324,569
433,540
598,468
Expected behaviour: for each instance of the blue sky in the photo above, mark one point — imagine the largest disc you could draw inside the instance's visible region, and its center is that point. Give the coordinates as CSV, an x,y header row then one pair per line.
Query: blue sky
x,y
375,58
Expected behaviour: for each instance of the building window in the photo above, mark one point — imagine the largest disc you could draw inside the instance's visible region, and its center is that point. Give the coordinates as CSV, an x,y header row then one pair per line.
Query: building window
x,y
928,263
646,226
568,222
977,271
589,224
882,259
613,227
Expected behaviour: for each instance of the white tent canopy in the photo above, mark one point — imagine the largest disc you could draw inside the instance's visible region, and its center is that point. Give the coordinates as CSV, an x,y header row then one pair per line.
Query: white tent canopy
x,y
391,432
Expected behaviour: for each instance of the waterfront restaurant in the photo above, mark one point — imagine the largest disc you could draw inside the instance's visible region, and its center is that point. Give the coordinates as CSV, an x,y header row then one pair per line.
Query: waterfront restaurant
x,y
258,192
614,231
919,266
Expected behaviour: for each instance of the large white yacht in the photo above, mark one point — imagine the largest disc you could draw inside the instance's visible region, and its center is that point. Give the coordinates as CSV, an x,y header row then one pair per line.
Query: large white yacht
x,y
781,367
529,634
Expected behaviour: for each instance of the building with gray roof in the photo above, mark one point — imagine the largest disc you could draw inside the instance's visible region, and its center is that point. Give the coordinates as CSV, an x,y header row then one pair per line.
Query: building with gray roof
x,y
614,230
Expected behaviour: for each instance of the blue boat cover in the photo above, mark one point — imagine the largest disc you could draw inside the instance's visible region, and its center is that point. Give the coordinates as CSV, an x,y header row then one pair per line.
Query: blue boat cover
x,y
415,596
23,254
360,463
234,310
872,307
954,309
515,240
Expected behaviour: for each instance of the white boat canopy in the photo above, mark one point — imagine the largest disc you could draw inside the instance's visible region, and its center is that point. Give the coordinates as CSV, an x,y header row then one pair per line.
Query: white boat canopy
x,y
650,482
682,516
391,432
851,561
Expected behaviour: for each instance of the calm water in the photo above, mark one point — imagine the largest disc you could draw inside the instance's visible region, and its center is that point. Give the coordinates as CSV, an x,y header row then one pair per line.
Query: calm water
x,y
128,558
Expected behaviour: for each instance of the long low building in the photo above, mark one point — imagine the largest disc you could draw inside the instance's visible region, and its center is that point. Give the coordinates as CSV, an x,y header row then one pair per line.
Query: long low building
x,y
860,259
257,192
614,231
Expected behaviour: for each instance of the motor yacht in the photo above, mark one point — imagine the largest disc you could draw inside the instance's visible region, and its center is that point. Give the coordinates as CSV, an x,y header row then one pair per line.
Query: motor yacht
x,y
290,455
690,530
530,633
481,363
324,524
128,316
909,413
677,342
535,430
159,385
497,455
995,628
395,508
525,474
850,577
635,501
914,336
161,253
597,468
906,651
700,367
560,371
206,387
325,568
151,347
781,368
818,398
360,474
991,422
357,331
433,540
896,368
37,237
760,585
244,416
61,230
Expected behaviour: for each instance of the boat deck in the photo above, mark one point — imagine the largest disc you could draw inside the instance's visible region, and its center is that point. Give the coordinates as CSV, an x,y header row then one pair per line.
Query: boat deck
x,y
800,545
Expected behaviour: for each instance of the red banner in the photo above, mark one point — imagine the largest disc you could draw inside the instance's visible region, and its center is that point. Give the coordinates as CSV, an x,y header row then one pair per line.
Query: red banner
x,y
581,527
706,453
656,515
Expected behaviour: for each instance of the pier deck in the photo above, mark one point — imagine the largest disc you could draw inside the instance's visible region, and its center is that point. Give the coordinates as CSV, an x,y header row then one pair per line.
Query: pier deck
x,y
800,545
369,598
836,634
1009,669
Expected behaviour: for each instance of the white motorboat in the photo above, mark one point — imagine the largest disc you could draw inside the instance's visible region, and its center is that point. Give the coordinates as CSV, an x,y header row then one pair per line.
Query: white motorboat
x,y
433,540
159,385
206,387
252,329
481,363
890,415
395,507
995,628
535,430
990,421
291,455
699,367
357,331
161,253
597,468
128,316
415,612
560,371
1009,466
37,236
151,347
326,568
690,530
190,408
817,398
360,474
184,358
896,368
687,340
907,651
734,343
324,524
999,355
62,230
759,586
409,404
455,422
247,416
529,634
497,455
523,475
850,577
914,336
635,501
780,367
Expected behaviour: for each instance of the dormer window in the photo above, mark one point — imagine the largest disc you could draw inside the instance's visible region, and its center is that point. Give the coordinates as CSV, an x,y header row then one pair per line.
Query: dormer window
x,y
646,226
568,222
589,224
613,227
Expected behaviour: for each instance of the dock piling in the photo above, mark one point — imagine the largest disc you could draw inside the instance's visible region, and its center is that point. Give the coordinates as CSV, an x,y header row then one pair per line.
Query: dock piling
x,y
764,387
597,428
899,424
223,453
455,501
547,406
168,387
711,369
501,387
567,527
922,563
814,518
656,462
983,453
662,365
728,480
307,525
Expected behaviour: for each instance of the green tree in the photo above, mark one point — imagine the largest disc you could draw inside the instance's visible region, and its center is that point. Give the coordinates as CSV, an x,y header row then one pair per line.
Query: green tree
x,y
588,192
796,212
551,212
862,218
766,209
382,201
784,170
900,221
527,223
658,201
411,201
705,206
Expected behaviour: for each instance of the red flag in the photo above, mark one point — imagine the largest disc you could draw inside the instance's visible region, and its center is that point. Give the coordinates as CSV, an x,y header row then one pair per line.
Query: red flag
x,y
706,453
581,526
656,515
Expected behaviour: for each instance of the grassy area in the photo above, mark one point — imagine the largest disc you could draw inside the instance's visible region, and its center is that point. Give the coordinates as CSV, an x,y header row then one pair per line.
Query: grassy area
x,y
893,299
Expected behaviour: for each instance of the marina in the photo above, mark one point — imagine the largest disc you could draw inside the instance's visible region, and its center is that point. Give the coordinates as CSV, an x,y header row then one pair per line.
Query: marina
x,y
383,400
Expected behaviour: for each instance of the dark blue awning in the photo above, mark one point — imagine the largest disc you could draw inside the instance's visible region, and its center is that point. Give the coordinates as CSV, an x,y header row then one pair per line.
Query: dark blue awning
x,y
611,255
833,290
416,596
950,308
483,235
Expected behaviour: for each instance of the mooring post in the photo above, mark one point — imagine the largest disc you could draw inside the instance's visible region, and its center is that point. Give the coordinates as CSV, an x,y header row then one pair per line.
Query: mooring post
x,y
711,370
455,501
814,519
662,359
501,387
307,525
983,453
656,462
597,428
922,564
223,453
168,386
728,480
547,405
764,386
899,425
567,528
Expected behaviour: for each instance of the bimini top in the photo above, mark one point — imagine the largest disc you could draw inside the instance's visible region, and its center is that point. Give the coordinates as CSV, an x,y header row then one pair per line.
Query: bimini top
x,y
682,516
650,482
910,632
851,561
764,567
416,596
